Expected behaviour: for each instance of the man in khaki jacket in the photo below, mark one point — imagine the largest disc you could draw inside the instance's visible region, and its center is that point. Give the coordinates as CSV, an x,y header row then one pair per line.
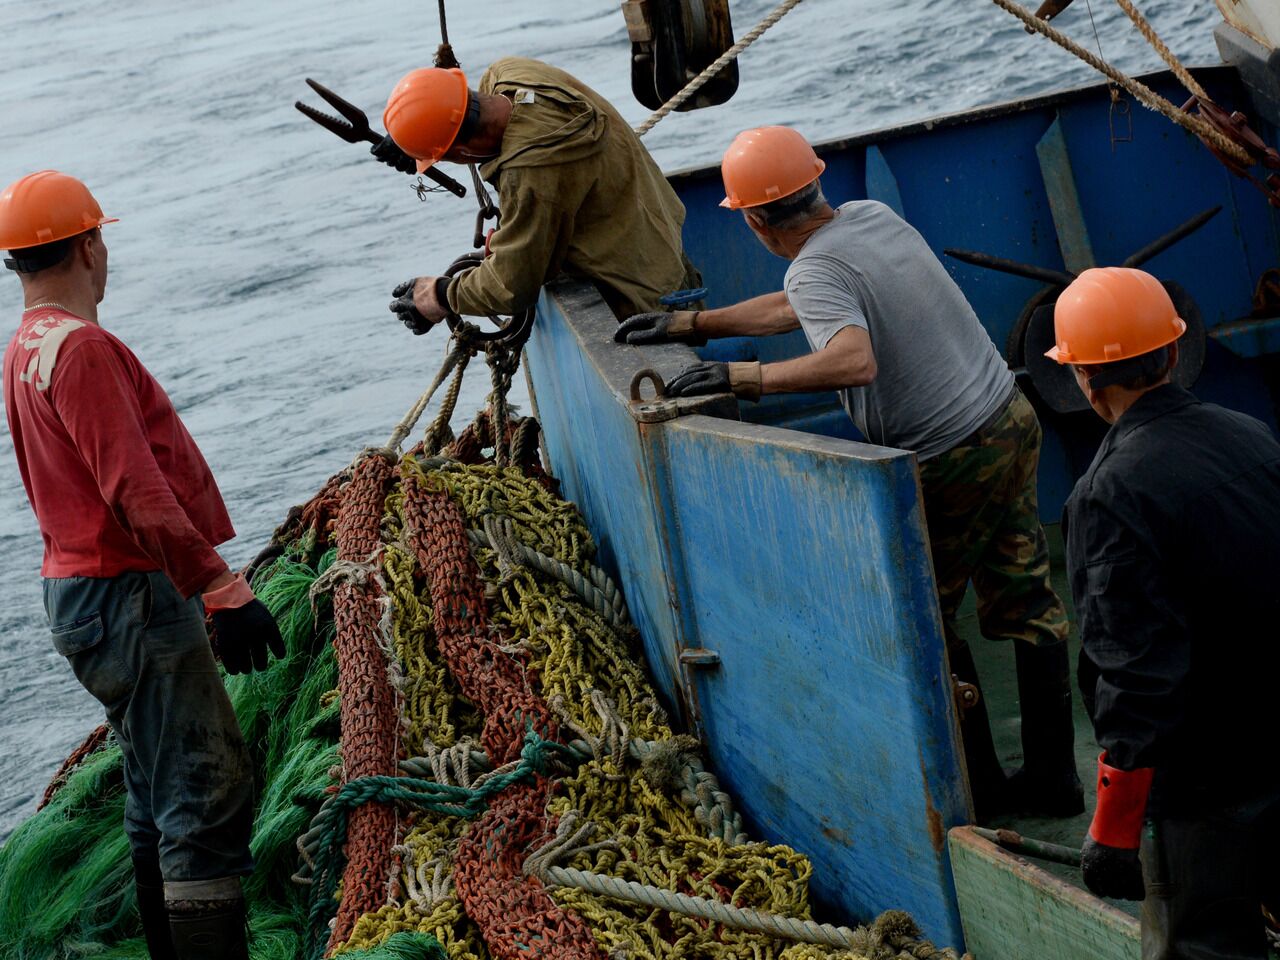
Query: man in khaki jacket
x,y
578,193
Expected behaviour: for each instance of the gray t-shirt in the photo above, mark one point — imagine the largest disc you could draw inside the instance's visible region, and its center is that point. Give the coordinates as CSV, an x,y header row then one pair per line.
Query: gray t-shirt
x,y
939,377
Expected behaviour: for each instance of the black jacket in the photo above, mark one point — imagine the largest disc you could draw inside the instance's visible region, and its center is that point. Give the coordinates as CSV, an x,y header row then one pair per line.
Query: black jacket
x,y
1173,550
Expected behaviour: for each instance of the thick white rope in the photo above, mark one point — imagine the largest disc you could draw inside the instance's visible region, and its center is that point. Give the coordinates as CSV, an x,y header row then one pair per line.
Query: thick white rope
x,y
862,942
696,84
403,428
1139,91
1167,55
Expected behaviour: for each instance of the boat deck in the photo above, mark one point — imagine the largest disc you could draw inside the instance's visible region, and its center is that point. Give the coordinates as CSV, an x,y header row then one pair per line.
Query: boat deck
x,y
999,684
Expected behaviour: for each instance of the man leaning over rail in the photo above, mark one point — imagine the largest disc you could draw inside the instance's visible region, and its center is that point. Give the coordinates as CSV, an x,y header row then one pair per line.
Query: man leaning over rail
x,y
578,192
934,383
1173,544
130,515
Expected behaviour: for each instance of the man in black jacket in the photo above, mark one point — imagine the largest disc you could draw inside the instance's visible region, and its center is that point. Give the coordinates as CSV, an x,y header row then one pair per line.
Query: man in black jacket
x,y
1173,548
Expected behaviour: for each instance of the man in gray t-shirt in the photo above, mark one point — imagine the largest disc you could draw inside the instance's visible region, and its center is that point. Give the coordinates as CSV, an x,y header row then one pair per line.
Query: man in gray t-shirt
x,y
938,375
893,334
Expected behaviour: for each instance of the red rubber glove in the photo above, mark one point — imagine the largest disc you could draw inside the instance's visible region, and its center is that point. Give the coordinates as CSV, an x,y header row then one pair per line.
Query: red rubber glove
x,y
1109,855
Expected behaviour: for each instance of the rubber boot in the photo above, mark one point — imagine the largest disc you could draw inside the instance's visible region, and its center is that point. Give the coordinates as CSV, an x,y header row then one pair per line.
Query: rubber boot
x,y
151,909
1048,784
208,929
987,783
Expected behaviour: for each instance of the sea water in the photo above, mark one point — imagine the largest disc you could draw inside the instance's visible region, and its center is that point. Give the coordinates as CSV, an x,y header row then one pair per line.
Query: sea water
x,y
255,253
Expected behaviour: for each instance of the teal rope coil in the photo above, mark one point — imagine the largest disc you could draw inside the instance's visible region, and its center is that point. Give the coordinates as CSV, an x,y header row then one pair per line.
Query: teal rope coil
x,y
699,790
322,843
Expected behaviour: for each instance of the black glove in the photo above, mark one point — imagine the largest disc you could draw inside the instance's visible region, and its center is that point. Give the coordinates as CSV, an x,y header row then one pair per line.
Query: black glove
x,y
740,379
659,327
402,306
242,635
1111,871
700,379
387,152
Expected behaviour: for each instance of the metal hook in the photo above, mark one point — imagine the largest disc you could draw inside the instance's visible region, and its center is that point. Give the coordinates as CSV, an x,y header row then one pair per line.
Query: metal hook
x,y
648,373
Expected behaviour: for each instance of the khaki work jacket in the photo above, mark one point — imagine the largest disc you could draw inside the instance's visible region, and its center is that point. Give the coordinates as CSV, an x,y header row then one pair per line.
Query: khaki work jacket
x,y
579,195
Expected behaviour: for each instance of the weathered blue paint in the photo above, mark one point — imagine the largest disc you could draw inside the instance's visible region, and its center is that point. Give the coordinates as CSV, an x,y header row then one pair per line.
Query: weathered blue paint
x,y
881,183
806,566
801,561
1064,199
1250,338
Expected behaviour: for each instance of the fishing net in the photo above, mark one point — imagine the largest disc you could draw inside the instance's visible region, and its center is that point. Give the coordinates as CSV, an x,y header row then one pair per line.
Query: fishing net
x,y
460,749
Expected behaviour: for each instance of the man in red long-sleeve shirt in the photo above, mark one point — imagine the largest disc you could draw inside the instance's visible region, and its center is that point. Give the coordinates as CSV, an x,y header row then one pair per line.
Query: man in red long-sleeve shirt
x,y
130,515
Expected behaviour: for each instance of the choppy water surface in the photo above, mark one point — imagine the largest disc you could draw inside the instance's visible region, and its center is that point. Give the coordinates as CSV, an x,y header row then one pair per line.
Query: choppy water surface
x,y
252,264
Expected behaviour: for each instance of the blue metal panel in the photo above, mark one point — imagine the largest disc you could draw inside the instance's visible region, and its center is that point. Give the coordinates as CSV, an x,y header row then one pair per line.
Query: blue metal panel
x,y
882,185
1250,338
802,561
806,563
1064,199
1136,191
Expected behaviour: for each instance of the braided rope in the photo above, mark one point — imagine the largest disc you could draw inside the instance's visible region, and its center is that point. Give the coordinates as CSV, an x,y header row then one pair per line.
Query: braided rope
x,y
428,884
411,417
1138,90
861,941
697,83
699,789
322,844
354,572
1148,31
595,587
369,712
438,432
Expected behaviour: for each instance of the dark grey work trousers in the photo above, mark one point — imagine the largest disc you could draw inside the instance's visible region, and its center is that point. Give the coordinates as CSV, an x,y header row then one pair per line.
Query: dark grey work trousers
x,y
1206,881
142,651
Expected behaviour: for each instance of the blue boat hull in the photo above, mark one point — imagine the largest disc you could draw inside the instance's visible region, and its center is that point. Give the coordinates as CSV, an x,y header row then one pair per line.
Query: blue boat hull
x,y
776,567
782,587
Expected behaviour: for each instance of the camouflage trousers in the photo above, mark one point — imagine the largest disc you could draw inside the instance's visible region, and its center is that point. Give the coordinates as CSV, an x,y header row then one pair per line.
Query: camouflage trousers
x,y
984,526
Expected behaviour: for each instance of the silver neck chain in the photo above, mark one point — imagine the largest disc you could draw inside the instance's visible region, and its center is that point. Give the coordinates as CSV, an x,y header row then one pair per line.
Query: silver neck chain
x,y
41,306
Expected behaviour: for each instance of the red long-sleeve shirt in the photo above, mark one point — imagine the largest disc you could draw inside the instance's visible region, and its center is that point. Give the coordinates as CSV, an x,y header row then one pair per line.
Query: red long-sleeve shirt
x,y
116,481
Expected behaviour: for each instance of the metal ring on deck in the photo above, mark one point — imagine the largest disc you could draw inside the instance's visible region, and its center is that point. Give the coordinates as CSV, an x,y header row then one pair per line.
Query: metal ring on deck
x,y
648,373
515,329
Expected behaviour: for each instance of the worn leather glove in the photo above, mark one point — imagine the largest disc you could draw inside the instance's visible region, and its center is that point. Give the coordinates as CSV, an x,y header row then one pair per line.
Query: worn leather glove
x,y
387,152
660,327
402,306
1109,855
699,379
243,628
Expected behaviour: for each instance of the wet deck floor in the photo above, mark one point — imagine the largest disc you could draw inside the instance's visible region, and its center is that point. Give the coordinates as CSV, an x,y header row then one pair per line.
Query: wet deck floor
x,y
999,683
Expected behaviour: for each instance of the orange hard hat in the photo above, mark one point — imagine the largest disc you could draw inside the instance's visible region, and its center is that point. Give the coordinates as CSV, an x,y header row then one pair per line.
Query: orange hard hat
x,y
1113,313
425,112
767,164
44,207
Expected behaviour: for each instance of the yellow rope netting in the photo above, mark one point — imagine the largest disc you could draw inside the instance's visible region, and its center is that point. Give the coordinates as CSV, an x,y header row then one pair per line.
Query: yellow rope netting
x,y
588,672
